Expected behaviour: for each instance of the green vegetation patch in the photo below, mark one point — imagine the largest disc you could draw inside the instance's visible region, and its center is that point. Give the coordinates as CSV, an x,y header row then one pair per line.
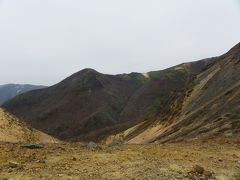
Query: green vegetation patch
x,y
135,77
170,73
160,104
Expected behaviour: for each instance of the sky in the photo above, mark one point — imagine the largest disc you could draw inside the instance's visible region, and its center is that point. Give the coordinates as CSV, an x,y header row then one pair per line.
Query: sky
x,y
44,41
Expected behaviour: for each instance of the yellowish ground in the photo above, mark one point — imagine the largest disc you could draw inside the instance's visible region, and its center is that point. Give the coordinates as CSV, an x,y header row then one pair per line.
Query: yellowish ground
x,y
12,130
74,161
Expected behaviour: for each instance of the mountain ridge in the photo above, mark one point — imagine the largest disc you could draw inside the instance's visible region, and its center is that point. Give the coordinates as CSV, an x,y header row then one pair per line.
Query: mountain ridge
x,y
89,105
101,100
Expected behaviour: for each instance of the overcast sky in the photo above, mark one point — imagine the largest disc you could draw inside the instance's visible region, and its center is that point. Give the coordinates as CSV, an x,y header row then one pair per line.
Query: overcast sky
x,y
44,41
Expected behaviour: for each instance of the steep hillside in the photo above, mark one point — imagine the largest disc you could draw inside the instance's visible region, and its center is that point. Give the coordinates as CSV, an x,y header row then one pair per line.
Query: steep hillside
x,y
210,108
12,130
213,107
90,106
9,91
163,90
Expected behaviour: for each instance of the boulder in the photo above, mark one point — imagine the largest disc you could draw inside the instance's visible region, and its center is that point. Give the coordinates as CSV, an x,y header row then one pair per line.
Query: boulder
x,y
93,146
32,146
116,143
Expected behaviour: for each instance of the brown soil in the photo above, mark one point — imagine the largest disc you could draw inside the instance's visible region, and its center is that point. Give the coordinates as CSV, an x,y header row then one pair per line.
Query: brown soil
x,y
220,159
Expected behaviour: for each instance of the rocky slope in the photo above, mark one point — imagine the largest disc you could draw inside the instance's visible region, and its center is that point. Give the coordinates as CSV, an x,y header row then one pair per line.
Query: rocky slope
x,y
213,106
210,108
12,130
9,91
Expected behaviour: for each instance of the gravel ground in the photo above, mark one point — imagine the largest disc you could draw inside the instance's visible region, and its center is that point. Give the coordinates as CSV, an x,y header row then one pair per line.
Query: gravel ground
x,y
195,160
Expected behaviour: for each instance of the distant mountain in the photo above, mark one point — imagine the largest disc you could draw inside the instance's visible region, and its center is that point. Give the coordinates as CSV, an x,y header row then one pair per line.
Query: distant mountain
x,y
9,91
192,100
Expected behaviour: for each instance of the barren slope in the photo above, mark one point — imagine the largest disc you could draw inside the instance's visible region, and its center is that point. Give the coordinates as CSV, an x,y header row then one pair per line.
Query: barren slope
x,y
12,130
213,107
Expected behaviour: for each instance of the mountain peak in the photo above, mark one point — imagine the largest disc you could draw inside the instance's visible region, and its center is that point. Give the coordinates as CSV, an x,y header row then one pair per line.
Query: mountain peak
x,y
88,70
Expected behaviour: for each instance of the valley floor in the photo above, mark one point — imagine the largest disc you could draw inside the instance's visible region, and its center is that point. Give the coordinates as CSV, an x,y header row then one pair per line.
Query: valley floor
x,y
220,160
